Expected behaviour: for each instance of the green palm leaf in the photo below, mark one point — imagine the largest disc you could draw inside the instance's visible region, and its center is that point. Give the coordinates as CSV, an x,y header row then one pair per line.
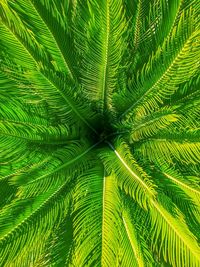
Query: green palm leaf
x,y
99,133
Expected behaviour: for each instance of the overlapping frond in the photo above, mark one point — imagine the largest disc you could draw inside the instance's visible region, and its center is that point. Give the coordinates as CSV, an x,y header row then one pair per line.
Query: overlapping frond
x,y
59,245
40,34
42,80
43,211
34,133
169,227
153,83
133,179
182,183
69,161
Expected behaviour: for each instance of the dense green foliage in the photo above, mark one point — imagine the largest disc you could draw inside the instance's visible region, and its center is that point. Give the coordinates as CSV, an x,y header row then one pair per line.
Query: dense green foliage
x,y
99,133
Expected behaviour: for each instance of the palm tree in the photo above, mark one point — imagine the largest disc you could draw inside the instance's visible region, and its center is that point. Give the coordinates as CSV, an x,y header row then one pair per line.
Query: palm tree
x,y
99,133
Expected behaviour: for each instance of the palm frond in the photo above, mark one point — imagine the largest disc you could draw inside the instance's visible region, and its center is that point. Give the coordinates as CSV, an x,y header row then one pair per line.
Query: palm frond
x,y
110,222
58,248
104,48
172,229
34,133
148,98
151,124
53,170
133,179
40,35
52,212
87,217
44,82
182,151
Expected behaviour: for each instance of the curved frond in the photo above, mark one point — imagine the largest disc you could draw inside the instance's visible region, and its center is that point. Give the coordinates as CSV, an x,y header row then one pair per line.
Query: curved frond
x,y
151,124
132,179
24,230
173,233
72,160
160,148
88,206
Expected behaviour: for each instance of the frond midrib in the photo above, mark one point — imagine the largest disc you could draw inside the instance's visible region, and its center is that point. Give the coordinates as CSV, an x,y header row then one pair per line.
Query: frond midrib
x,y
36,132
67,65
186,186
106,51
138,126
138,258
103,213
64,165
130,171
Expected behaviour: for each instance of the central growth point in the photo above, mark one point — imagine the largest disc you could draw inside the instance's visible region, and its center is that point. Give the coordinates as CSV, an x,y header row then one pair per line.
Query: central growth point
x,y
104,130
